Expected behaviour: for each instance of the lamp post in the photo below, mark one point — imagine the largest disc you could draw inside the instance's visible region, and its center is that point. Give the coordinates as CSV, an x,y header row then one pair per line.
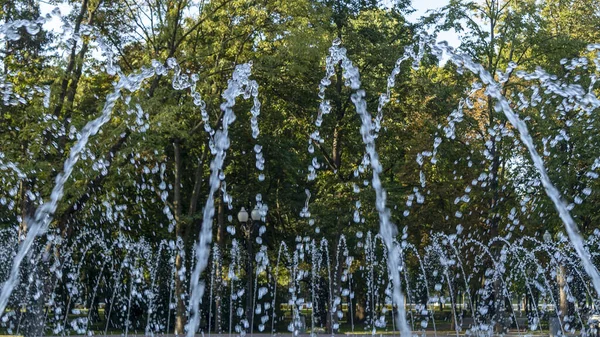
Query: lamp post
x,y
557,319
249,222
547,236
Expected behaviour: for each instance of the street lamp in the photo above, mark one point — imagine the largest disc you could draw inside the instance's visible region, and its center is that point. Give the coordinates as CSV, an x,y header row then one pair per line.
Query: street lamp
x,y
243,215
547,236
255,214
250,225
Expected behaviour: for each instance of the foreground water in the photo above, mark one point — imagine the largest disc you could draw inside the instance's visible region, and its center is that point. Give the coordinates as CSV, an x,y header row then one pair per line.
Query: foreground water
x,y
527,283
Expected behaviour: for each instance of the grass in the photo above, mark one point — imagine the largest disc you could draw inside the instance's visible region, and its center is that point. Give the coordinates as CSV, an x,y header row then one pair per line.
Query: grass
x,y
442,318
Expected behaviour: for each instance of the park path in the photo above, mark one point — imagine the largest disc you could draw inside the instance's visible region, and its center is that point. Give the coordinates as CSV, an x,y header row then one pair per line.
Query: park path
x,y
353,334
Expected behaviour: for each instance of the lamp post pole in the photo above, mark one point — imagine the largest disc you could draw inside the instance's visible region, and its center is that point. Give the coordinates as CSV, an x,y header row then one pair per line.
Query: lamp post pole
x,y
249,223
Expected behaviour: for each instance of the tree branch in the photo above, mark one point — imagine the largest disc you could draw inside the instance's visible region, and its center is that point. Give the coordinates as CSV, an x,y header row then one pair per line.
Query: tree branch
x,y
93,184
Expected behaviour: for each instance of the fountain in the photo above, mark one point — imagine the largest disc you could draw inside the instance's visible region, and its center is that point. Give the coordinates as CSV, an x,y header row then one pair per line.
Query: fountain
x,y
455,283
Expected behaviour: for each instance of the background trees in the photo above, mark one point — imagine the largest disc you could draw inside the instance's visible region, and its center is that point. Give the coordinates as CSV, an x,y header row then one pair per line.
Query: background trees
x,y
451,162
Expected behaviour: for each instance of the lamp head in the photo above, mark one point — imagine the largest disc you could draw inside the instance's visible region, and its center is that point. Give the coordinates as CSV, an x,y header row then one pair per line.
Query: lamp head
x,y
255,214
243,215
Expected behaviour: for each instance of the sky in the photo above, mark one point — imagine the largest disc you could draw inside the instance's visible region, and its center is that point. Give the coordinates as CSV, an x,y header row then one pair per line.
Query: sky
x,y
421,7
54,23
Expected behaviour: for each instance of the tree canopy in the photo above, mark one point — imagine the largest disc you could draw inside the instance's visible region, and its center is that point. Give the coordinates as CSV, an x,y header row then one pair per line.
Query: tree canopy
x,y
451,160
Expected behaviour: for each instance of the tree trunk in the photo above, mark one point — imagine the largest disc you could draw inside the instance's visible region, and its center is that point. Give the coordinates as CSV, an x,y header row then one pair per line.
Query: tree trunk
x,y
249,271
70,80
31,320
336,145
337,281
218,274
180,230
217,296
494,219
561,278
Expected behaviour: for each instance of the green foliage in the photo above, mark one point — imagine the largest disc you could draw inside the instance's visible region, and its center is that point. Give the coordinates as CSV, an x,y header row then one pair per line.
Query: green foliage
x,y
479,179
